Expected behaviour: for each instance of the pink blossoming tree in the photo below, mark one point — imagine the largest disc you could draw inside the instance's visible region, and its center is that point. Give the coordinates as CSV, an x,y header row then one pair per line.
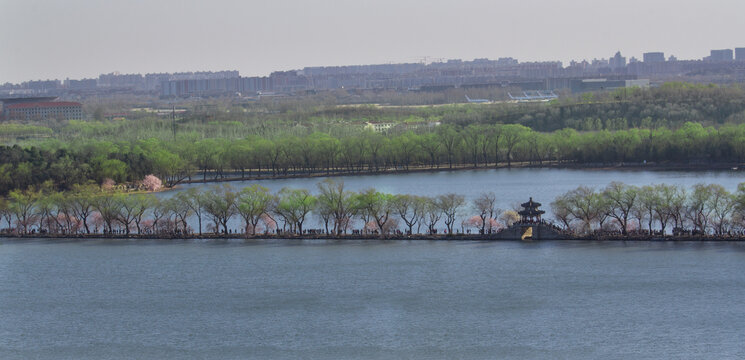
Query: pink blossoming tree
x,y
152,183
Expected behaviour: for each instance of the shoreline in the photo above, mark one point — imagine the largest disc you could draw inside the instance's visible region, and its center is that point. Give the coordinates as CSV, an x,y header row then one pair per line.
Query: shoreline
x,y
413,170
356,237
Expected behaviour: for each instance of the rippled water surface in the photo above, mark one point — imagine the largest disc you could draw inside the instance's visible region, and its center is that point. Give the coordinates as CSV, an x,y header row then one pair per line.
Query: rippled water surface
x,y
512,185
380,300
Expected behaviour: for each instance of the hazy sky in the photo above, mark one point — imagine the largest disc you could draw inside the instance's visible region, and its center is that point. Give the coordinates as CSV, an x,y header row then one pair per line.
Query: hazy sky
x,y
84,38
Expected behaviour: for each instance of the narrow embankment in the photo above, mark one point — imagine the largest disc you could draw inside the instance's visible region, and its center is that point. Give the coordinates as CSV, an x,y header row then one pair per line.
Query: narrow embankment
x,y
435,237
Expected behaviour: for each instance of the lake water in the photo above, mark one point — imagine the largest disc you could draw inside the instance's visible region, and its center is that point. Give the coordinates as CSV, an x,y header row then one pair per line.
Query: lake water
x,y
122,299
113,299
512,186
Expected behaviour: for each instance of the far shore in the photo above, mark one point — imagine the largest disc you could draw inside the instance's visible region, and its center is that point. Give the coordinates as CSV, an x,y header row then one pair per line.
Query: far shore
x,y
696,167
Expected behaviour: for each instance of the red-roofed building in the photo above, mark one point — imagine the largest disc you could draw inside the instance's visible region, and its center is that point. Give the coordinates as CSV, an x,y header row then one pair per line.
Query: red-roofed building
x,y
41,108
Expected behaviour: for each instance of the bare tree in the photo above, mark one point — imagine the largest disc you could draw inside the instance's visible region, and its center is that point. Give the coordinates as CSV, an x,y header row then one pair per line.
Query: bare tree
x,y
432,214
109,207
678,206
450,204
254,202
376,205
486,206
721,203
409,208
621,199
698,209
562,210
664,198
195,201
739,205
132,209
338,202
294,205
645,205
220,206
583,204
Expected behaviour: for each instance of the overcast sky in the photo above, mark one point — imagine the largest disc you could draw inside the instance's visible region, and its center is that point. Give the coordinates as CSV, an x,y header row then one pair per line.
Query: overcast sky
x,y
84,38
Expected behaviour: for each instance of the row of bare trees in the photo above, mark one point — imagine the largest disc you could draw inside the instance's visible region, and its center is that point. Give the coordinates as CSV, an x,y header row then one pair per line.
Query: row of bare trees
x,y
92,210
703,209
618,208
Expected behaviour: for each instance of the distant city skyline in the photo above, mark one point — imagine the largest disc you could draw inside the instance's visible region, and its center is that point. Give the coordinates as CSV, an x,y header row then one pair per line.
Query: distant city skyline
x,y
82,39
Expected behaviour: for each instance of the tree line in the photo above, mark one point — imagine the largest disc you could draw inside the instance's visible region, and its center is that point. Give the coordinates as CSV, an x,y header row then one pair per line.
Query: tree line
x,y
89,209
653,209
334,210
447,146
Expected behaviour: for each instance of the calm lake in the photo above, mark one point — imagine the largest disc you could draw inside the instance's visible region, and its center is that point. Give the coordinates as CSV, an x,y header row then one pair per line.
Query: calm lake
x,y
121,299
512,186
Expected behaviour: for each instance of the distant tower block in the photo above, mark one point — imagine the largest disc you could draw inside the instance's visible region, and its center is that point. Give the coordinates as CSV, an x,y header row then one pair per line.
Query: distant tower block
x,y
654,57
721,55
740,54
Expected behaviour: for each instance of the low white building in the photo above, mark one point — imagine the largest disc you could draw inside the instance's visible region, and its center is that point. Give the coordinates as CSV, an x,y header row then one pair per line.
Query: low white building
x,y
379,126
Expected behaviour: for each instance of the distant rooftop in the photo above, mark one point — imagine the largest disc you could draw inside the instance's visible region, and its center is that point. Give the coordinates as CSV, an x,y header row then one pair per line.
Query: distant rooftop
x,y
40,104
20,100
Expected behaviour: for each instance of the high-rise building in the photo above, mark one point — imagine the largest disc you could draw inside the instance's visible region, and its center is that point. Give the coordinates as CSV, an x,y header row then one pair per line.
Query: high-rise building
x,y
507,61
116,80
740,54
617,62
721,55
654,57
83,84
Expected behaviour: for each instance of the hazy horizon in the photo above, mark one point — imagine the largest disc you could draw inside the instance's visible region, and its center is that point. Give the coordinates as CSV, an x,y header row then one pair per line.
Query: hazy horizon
x,y
82,38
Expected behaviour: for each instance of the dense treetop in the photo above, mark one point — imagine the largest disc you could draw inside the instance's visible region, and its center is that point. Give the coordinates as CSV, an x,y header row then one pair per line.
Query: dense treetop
x,y
677,122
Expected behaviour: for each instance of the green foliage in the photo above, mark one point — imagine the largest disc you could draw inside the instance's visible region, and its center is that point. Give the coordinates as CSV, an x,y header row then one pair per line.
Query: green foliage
x,y
320,153
648,210
252,203
219,205
22,130
618,209
677,122
294,205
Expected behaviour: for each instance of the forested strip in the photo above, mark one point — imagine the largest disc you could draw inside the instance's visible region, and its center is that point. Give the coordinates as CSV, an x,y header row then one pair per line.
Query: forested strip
x,y
64,164
618,209
302,138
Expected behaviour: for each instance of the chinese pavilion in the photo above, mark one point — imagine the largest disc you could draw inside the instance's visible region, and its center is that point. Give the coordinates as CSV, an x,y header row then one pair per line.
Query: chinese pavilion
x,y
530,212
531,226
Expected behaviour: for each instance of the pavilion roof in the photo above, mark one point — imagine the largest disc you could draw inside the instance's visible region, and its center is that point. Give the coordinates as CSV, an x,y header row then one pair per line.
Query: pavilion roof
x,y
531,212
531,204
